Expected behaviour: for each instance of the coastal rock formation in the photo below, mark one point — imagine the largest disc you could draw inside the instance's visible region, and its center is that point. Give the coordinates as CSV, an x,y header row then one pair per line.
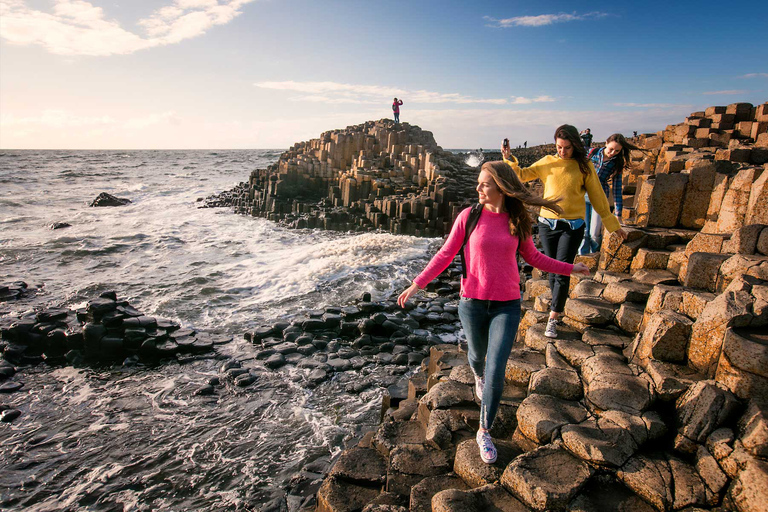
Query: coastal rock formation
x,y
654,395
105,199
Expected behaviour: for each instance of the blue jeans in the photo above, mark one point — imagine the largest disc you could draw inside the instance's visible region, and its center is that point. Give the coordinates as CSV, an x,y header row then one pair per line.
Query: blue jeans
x,y
490,327
397,117
593,232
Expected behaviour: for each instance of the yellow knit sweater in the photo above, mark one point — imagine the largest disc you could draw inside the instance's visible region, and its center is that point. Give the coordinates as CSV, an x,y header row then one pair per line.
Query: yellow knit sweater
x,y
563,179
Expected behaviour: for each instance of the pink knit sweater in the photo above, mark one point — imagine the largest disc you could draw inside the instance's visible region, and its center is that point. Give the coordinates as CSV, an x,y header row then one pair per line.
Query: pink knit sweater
x,y
491,258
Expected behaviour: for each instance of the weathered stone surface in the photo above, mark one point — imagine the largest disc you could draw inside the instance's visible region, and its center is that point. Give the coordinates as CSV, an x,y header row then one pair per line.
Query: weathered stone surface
x,y
729,309
105,199
741,265
603,493
627,291
762,243
720,443
654,277
558,382
660,200
612,384
753,428
702,270
541,416
336,495
553,359
694,302
757,206
521,364
649,476
476,473
689,489
750,488
665,337
422,493
664,296
698,192
444,422
448,393
671,380
600,442
587,288
596,336
574,351
489,498
743,240
647,258
394,433
364,466
743,384
709,470
409,464
616,253
590,311
703,408
546,478
629,317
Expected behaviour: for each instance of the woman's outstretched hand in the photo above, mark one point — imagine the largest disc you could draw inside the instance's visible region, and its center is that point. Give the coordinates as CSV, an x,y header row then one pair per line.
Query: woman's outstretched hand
x,y
407,294
622,233
505,151
580,268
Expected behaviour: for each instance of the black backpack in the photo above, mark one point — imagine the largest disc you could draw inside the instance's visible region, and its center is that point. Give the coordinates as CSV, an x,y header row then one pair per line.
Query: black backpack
x,y
474,216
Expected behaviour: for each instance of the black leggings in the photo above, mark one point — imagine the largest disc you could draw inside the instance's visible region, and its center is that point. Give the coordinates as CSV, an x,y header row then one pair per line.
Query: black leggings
x,y
561,243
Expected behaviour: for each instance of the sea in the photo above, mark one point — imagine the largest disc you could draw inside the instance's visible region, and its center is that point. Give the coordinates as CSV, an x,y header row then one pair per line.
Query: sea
x,y
128,436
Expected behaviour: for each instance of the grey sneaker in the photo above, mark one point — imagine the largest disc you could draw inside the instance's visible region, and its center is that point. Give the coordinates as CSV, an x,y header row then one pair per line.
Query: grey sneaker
x,y
551,330
479,385
487,450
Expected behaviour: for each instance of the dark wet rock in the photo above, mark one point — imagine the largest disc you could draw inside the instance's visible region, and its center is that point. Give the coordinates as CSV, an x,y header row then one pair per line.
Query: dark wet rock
x,y
410,463
204,390
546,478
8,415
60,225
245,380
275,361
488,498
391,434
337,495
11,386
105,199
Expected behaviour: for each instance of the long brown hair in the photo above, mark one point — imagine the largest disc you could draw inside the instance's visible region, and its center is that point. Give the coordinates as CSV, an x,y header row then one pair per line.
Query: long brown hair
x,y
626,147
571,134
516,197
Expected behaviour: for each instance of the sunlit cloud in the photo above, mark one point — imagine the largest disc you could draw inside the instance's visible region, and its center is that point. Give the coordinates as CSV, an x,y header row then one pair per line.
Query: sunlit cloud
x,y
77,27
337,93
727,92
755,75
541,20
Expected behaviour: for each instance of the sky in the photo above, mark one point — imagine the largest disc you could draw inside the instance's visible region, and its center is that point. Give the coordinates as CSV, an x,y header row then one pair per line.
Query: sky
x,y
221,74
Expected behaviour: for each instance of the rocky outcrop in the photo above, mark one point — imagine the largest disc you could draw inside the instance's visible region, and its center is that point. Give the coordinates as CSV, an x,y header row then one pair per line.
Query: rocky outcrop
x,y
105,199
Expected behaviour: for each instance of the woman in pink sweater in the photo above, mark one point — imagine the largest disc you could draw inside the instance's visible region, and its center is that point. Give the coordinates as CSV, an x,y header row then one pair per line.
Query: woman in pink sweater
x,y
490,294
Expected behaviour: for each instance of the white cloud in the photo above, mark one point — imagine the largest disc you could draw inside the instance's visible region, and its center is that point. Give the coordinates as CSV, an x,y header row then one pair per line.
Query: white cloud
x,y
77,27
728,92
541,20
333,92
649,105
755,75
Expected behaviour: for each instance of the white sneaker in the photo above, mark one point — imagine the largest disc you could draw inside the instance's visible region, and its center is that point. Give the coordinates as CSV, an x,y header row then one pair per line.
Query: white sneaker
x,y
479,385
487,449
551,330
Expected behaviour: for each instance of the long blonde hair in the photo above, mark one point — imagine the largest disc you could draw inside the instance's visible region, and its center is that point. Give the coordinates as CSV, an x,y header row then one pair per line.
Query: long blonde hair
x,y
516,197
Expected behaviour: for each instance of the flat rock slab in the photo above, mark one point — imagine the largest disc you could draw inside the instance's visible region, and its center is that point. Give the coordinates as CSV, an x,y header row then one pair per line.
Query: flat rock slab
x,y
476,473
415,459
394,433
489,498
703,408
750,488
521,364
596,336
558,382
671,380
540,415
361,465
535,339
422,493
448,393
574,351
627,291
336,495
590,311
654,277
587,288
629,393
600,442
546,478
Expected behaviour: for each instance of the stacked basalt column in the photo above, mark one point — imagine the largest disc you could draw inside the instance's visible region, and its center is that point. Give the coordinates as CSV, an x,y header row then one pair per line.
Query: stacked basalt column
x,y
377,175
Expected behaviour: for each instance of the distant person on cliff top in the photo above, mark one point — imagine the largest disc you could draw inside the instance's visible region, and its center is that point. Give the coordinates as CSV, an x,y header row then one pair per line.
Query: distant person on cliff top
x,y
609,163
525,144
586,138
489,308
396,109
566,178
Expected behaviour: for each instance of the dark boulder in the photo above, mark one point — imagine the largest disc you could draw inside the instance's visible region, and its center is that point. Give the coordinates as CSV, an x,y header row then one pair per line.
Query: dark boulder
x,y
105,199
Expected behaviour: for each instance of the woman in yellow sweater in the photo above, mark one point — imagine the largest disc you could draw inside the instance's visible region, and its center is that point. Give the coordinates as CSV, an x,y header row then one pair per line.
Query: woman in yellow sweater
x,y
566,178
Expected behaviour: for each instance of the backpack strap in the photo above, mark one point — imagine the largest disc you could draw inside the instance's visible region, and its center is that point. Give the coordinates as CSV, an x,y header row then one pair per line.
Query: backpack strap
x,y
474,216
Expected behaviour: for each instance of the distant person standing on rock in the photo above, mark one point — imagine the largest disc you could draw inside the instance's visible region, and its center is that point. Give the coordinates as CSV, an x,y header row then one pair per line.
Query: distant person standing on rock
x,y
566,178
586,138
396,109
609,163
525,144
489,309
